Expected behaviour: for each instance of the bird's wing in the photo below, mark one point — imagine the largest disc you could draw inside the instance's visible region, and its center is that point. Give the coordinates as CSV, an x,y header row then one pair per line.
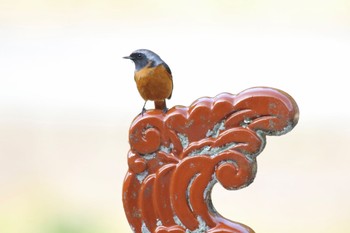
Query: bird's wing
x,y
171,78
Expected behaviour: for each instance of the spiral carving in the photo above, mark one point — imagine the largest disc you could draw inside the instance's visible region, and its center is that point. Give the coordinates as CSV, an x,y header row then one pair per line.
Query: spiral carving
x,y
176,158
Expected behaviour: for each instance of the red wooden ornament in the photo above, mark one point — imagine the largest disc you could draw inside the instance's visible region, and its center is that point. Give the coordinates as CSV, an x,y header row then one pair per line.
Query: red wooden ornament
x,y
176,158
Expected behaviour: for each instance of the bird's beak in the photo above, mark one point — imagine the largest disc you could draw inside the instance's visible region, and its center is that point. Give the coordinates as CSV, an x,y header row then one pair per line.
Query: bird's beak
x,y
127,57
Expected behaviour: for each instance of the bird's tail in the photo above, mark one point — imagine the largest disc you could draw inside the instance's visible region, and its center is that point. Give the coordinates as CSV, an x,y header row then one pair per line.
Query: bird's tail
x,y
160,104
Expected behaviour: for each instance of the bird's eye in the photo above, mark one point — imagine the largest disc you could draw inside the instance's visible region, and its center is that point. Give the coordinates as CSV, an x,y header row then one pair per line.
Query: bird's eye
x,y
139,55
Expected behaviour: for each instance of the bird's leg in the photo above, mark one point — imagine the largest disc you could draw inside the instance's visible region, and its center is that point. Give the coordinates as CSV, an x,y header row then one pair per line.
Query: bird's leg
x,y
143,108
165,109
161,104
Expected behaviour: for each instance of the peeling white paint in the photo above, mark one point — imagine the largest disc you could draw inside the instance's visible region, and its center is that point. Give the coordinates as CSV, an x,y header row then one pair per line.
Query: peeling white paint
x,y
178,221
183,139
216,130
149,156
246,122
202,228
188,190
207,150
159,223
167,149
144,228
207,193
141,176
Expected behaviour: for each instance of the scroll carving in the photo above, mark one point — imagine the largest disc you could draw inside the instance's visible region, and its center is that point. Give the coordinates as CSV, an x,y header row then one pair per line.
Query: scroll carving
x,y
176,158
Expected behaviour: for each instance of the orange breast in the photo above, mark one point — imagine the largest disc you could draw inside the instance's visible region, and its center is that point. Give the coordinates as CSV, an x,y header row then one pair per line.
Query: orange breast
x,y
154,83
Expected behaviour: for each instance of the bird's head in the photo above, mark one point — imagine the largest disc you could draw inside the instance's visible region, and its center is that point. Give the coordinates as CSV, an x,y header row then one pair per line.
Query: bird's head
x,y
143,58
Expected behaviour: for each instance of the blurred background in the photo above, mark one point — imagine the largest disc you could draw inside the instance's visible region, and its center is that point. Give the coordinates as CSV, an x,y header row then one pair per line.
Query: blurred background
x,y
67,99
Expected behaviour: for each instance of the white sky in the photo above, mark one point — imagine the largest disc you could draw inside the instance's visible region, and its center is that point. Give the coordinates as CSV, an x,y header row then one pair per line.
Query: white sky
x,y
66,58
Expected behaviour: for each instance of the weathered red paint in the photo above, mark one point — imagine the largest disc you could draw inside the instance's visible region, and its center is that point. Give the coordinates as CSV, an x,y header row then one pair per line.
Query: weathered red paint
x,y
177,157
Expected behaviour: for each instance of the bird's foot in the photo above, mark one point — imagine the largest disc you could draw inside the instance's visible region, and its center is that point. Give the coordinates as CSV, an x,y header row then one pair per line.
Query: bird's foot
x,y
143,111
165,110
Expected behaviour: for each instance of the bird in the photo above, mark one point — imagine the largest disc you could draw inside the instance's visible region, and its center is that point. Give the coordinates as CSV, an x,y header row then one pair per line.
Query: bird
x,y
153,78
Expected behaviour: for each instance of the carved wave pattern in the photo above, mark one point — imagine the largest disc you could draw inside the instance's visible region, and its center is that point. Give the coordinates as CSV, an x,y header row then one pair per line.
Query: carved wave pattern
x,y
176,158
